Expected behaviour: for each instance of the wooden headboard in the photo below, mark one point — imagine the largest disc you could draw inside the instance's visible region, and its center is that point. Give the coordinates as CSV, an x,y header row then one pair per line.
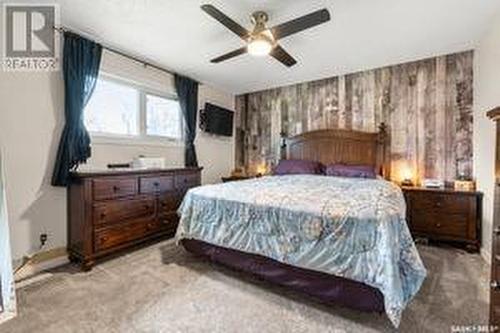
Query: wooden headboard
x,y
340,146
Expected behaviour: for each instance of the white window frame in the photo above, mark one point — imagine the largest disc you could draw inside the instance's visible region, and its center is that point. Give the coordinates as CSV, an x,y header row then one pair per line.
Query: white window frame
x,y
142,138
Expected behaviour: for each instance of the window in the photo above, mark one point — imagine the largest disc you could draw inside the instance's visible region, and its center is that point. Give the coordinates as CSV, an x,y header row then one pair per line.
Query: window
x,y
119,109
112,109
163,117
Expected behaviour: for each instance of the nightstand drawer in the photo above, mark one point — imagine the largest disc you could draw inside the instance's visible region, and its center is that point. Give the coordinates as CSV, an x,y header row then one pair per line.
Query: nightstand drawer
x,y
428,201
452,225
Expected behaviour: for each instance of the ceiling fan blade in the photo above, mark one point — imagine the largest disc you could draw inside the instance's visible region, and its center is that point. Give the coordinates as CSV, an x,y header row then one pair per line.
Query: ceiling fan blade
x,y
230,55
301,23
226,21
282,56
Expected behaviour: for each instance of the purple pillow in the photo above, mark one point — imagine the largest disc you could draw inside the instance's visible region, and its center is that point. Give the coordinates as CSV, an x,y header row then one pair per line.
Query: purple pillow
x,y
353,171
296,167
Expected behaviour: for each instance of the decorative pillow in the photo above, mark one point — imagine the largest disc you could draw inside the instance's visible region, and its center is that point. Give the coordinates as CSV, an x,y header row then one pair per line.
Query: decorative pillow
x,y
353,171
296,167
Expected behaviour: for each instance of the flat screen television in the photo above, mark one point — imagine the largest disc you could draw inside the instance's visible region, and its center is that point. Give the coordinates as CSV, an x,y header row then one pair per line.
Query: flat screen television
x,y
217,120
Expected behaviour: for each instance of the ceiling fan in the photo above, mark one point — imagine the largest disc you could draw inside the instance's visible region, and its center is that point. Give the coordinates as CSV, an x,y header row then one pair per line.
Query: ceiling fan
x,y
262,40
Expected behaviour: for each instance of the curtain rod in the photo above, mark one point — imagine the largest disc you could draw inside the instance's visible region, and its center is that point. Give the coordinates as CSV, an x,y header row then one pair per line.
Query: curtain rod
x,y
121,53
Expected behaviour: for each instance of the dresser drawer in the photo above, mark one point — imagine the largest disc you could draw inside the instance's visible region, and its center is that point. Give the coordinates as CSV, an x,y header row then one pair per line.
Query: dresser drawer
x,y
156,184
496,273
495,307
440,201
119,211
451,225
169,202
169,220
119,235
187,180
111,188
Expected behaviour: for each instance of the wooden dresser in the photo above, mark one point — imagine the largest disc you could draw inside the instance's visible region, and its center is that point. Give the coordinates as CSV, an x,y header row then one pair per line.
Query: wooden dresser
x,y
445,215
113,210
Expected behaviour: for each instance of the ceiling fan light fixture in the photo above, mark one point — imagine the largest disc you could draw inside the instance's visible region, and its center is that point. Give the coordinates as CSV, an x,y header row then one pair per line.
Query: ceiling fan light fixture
x,y
260,46
262,40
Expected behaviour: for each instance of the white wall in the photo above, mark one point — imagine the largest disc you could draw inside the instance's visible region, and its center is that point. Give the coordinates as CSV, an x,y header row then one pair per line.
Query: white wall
x,y
486,97
7,289
31,118
30,126
215,153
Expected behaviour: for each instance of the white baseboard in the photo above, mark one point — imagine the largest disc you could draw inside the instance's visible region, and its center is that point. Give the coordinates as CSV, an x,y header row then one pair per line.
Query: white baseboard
x,y
34,279
486,255
41,262
7,315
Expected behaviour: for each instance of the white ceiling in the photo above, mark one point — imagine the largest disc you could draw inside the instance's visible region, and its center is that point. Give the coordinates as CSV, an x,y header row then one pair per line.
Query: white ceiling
x,y
363,34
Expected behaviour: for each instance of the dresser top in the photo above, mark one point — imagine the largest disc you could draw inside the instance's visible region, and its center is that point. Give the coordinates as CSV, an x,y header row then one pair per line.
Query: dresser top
x,y
448,190
128,171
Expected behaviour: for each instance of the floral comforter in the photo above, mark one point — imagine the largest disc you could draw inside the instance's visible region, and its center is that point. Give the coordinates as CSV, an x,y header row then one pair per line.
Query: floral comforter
x,y
348,227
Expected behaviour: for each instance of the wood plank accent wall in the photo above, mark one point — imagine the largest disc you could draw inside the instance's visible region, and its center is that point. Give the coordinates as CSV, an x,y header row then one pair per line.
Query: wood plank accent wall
x,y
426,104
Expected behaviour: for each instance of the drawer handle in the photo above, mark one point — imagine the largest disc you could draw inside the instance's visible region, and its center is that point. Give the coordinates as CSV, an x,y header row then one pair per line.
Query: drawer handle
x,y
116,188
165,221
103,215
156,184
438,204
495,285
438,225
104,238
497,230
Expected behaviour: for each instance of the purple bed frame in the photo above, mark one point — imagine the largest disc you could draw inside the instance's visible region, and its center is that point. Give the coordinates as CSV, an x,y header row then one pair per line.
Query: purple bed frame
x,y
322,286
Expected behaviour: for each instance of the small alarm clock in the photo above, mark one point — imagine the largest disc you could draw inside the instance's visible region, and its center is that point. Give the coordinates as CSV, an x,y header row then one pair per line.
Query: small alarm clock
x,y
464,185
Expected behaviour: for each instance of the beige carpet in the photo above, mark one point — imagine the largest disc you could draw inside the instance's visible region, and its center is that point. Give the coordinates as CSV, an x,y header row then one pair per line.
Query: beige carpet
x,y
164,289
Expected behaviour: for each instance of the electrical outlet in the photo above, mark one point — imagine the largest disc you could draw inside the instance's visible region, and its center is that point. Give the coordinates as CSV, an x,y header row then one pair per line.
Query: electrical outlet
x,y
43,239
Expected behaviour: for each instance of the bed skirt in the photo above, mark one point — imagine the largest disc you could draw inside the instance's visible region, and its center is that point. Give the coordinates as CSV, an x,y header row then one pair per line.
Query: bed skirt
x,y
324,287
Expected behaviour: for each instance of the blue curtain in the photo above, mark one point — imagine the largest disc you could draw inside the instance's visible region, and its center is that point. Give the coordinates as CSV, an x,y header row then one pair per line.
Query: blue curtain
x,y
81,60
187,90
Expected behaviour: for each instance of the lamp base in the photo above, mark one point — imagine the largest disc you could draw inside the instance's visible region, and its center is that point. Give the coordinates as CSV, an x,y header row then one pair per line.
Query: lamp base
x,y
407,182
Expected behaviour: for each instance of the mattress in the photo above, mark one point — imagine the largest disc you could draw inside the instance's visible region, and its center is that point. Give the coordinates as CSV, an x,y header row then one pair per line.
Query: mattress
x,y
347,227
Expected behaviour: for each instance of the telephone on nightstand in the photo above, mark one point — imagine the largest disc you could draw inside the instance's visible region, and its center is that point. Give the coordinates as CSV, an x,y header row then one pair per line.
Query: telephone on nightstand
x,y
433,183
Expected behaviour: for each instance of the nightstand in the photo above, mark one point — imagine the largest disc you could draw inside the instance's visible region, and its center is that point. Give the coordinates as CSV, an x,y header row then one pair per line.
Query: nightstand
x,y
445,215
235,178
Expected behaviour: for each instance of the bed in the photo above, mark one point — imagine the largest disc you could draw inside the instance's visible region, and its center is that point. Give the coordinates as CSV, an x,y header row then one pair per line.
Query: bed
x,y
340,240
